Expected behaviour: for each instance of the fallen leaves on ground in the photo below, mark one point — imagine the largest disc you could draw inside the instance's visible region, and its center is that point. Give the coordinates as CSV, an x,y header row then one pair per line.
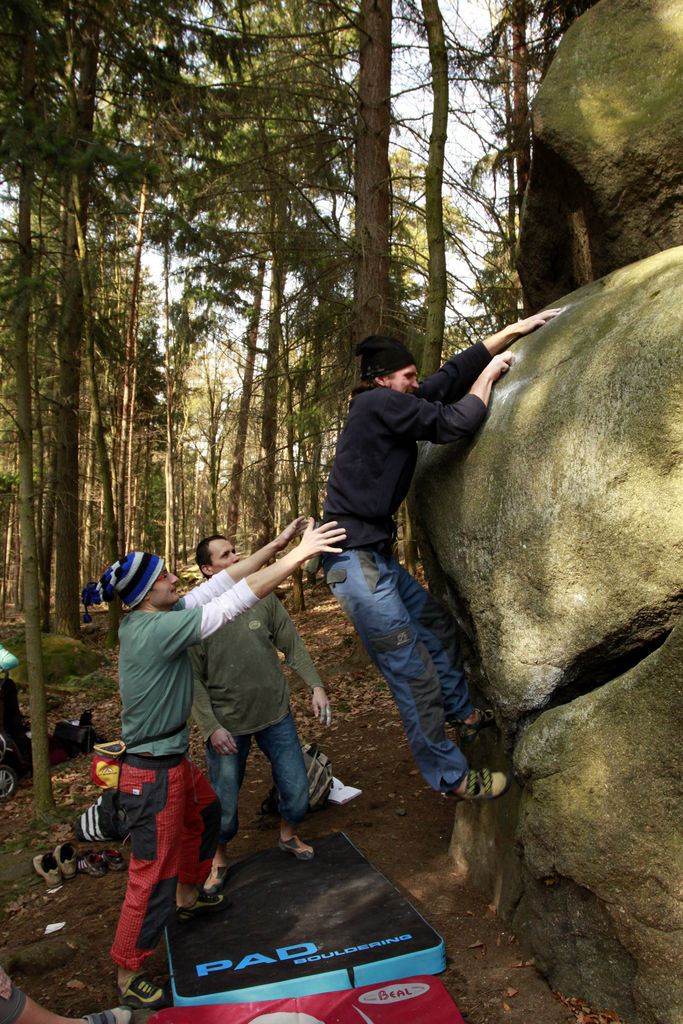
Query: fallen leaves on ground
x,y
585,1014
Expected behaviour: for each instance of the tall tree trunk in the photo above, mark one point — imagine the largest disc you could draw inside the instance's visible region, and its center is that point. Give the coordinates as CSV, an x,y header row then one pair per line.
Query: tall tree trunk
x,y
436,303
42,785
245,404
299,601
67,583
48,536
123,474
110,531
270,393
520,99
169,460
371,312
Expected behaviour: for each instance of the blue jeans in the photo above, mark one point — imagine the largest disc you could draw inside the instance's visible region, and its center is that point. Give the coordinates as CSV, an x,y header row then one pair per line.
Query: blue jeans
x,y
280,744
412,640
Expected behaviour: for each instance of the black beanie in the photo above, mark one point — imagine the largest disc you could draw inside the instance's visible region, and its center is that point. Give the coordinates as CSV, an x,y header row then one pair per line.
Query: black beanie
x,y
380,354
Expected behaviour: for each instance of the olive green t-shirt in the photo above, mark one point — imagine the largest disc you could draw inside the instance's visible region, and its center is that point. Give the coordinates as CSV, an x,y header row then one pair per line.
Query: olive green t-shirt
x,y
239,681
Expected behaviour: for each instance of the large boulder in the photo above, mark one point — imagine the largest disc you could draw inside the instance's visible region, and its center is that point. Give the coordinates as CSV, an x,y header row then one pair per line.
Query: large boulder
x,y
63,658
606,179
556,536
559,529
599,832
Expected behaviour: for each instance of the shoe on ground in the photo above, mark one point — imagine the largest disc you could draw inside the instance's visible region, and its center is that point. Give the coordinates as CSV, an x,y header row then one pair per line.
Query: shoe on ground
x,y
484,785
295,847
45,865
113,858
66,860
206,903
119,1015
91,863
139,993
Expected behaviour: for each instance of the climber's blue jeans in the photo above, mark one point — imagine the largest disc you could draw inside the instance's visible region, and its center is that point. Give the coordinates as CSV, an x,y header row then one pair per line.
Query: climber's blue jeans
x,y
412,640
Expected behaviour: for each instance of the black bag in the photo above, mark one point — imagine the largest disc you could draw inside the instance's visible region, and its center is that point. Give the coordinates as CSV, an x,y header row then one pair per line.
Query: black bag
x,y
76,739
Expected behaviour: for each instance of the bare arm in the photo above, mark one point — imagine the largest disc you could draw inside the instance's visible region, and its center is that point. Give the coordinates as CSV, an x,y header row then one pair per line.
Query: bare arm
x,y
313,542
252,563
495,343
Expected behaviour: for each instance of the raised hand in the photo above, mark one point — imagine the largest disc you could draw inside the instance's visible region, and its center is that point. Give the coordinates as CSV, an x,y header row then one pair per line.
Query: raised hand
x,y
295,529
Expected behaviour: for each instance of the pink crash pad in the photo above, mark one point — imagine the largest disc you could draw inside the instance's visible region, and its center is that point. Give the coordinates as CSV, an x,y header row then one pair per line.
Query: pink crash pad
x,y
421,1000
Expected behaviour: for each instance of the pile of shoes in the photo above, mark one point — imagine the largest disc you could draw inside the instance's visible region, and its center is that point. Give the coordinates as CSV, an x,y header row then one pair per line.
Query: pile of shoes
x,y
63,864
93,862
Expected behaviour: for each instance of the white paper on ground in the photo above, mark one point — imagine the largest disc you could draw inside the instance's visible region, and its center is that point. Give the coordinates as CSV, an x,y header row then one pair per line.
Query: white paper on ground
x,y
341,794
50,928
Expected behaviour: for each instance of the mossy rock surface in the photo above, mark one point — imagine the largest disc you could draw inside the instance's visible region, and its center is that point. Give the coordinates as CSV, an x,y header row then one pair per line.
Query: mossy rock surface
x,y
63,658
607,172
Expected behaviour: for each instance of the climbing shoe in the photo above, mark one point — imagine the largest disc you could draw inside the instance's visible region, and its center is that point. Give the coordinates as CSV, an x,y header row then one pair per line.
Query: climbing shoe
x,y
469,731
141,994
484,785
206,903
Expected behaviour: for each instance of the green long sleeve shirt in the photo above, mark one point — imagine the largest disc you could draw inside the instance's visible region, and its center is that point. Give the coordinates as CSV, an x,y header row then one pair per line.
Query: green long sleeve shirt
x,y
239,682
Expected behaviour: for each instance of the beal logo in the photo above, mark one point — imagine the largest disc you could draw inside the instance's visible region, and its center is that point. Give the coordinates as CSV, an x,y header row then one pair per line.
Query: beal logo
x,y
394,993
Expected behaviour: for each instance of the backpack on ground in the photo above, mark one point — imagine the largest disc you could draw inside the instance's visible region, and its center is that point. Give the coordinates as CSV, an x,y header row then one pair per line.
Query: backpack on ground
x,y
319,772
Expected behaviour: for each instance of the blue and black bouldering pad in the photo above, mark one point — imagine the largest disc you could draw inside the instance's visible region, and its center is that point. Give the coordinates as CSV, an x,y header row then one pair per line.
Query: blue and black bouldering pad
x,y
294,928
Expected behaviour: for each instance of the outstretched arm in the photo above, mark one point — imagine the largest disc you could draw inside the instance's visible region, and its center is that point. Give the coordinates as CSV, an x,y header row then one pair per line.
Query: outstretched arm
x,y
313,542
499,341
252,563
239,598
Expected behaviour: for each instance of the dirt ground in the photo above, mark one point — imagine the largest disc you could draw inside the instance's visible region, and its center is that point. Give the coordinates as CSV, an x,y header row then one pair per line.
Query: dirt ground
x,y
400,825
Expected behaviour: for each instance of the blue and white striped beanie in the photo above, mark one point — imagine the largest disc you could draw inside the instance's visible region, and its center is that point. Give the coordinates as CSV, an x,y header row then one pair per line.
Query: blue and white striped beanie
x,y
131,577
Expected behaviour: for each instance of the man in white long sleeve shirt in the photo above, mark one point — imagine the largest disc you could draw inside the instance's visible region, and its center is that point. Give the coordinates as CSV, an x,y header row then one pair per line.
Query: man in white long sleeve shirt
x,y
172,812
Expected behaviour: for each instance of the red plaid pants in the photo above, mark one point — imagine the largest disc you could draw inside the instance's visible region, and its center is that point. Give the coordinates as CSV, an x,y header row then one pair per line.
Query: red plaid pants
x,y
173,815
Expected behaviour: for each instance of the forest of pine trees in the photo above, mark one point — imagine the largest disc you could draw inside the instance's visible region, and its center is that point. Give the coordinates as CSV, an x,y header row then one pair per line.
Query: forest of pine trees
x,y
204,207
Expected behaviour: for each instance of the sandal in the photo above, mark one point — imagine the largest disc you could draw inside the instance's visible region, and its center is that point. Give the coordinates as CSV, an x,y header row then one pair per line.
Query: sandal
x,y
295,847
469,731
484,785
119,1015
221,876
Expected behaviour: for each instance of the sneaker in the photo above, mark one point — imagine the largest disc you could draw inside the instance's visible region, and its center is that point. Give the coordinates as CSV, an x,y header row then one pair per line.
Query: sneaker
x,y
113,858
206,903
45,865
92,863
484,785
66,860
119,1015
139,993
